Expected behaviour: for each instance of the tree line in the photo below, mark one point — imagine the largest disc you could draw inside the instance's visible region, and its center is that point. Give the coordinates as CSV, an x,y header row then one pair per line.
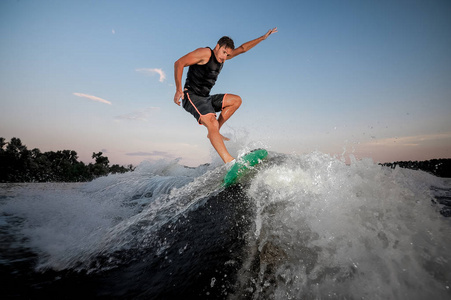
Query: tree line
x,y
18,164
439,167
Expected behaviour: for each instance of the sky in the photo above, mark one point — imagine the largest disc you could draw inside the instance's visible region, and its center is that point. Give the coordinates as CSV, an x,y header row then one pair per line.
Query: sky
x,y
370,79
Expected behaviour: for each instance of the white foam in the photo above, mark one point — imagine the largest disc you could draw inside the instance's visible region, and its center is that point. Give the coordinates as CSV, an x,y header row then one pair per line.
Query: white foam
x,y
65,223
322,229
338,231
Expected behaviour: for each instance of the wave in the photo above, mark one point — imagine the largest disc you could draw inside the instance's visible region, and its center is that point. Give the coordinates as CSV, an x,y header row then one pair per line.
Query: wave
x,y
296,226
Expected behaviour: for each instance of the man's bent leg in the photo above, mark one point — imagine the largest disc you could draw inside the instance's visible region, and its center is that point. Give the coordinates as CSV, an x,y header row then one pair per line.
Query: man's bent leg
x,y
230,104
215,137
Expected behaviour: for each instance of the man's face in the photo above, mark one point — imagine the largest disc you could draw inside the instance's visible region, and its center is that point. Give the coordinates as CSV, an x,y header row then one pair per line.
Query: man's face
x,y
221,53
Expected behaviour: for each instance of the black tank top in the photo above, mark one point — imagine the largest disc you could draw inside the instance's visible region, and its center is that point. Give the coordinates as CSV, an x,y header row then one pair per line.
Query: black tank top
x,y
201,78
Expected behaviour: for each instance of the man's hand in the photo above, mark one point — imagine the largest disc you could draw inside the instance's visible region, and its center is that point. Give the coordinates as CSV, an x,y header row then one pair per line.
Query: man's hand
x,y
177,96
251,44
271,31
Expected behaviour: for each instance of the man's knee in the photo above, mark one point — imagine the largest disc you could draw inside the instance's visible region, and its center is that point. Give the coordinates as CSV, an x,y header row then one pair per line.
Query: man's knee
x,y
210,121
234,100
238,101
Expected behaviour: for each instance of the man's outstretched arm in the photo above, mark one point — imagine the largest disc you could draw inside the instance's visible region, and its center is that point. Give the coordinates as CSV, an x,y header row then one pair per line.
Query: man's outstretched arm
x,y
251,44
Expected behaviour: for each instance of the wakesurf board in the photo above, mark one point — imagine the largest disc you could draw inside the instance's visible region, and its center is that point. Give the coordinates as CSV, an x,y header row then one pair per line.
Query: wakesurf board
x,y
242,164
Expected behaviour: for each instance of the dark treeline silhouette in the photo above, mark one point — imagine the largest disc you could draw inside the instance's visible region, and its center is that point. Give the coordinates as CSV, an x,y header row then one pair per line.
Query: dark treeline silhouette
x,y
438,167
18,164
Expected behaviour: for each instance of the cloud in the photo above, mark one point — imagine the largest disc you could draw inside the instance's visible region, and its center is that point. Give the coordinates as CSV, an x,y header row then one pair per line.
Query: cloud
x,y
410,141
93,98
153,71
419,147
141,115
151,154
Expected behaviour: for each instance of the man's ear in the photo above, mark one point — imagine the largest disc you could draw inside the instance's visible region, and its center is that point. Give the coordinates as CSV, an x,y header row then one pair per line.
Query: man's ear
x,y
216,47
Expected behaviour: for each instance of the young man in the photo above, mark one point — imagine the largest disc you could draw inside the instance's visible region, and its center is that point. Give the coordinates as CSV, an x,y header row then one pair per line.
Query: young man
x,y
204,67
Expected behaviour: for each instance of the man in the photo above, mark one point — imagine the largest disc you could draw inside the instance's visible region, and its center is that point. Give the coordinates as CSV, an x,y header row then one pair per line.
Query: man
x,y
204,67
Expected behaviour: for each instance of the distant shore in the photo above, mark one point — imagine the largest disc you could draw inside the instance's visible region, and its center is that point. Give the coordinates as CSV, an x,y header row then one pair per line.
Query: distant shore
x,y
438,167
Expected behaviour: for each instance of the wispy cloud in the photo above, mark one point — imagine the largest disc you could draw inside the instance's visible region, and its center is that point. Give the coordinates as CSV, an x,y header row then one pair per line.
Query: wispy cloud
x,y
153,153
403,148
153,71
93,98
410,140
141,115
159,154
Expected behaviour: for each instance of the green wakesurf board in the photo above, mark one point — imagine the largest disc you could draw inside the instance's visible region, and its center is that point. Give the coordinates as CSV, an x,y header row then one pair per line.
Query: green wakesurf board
x,y
242,164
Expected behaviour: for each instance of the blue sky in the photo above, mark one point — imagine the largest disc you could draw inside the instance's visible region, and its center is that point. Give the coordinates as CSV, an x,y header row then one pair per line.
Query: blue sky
x,y
368,78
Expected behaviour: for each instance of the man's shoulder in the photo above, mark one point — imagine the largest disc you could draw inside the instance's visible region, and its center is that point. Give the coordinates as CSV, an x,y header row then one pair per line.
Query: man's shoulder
x,y
203,54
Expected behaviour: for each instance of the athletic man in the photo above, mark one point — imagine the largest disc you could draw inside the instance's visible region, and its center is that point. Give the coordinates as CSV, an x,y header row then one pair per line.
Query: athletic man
x,y
204,67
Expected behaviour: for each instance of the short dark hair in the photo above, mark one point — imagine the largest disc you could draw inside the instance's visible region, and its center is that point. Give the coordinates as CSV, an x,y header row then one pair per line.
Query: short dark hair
x,y
227,42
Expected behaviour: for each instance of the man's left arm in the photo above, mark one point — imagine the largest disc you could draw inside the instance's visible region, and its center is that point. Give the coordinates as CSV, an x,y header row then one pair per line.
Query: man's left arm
x,y
251,44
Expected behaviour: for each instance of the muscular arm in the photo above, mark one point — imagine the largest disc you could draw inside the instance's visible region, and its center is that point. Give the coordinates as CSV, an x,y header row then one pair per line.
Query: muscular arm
x,y
199,56
251,44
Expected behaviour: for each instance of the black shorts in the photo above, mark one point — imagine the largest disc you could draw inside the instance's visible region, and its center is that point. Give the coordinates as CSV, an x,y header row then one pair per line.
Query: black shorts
x,y
200,106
